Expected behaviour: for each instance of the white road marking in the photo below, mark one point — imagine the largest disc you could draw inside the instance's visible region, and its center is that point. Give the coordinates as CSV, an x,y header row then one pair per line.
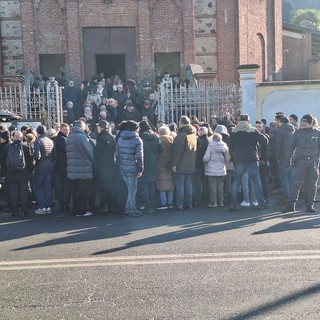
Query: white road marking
x,y
160,259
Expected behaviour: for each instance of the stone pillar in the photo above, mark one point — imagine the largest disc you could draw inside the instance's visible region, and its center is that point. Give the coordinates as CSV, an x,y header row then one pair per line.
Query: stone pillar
x,y
249,89
145,57
74,36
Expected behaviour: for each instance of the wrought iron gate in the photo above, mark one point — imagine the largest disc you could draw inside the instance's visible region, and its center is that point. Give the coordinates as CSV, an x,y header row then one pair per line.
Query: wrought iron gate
x,y
34,103
202,101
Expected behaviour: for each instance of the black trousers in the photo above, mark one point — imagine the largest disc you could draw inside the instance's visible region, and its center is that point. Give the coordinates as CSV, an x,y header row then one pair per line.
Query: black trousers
x,y
305,173
63,190
81,192
19,190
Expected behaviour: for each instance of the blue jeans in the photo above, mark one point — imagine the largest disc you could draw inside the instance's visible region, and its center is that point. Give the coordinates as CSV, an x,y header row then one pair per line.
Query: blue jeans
x,y
42,185
166,198
131,181
253,169
247,186
183,183
284,177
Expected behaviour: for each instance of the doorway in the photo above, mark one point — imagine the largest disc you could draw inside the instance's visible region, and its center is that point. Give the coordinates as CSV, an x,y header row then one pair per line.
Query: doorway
x,y
111,65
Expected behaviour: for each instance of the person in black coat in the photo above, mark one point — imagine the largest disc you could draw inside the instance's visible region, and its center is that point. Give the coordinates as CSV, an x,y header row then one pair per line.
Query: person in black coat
x,y
18,180
151,148
104,167
60,167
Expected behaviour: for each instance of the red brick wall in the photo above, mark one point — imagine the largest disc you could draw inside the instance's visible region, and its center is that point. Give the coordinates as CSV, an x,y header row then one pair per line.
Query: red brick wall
x,y
292,57
227,41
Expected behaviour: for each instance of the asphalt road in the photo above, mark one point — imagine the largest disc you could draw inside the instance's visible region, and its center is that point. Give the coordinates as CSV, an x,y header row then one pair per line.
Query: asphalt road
x,y
197,264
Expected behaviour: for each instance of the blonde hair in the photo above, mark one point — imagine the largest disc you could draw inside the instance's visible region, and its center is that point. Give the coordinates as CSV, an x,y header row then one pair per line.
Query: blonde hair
x,y
217,137
164,131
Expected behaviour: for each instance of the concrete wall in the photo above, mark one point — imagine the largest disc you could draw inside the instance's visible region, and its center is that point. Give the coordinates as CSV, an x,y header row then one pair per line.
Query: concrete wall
x,y
298,97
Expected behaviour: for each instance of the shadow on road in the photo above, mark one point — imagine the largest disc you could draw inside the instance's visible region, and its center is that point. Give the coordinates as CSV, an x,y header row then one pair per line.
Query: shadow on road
x,y
276,304
186,224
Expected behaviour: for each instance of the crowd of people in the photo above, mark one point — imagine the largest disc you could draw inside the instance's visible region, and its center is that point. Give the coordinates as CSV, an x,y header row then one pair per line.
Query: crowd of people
x,y
112,154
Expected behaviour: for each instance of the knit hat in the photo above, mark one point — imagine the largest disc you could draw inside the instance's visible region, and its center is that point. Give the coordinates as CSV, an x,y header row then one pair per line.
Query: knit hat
x,y
4,135
41,129
308,118
144,126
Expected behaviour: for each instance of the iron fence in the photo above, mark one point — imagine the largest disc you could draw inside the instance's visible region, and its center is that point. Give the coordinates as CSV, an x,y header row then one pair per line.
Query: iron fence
x,y
33,103
201,101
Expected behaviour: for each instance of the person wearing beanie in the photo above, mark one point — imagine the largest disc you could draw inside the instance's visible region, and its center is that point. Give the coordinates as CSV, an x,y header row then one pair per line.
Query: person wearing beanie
x,y
147,183
129,159
303,156
184,162
149,112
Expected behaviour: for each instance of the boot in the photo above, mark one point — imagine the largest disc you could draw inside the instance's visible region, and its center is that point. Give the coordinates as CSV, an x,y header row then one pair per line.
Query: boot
x,y
311,208
289,208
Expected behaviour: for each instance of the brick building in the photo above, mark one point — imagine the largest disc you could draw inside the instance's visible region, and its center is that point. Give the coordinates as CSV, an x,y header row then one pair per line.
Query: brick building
x,y
130,37
301,53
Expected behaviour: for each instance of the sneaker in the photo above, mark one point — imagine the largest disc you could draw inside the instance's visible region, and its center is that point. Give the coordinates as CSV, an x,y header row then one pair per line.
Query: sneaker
x,y
41,211
142,207
221,204
212,205
255,203
162,207
48,210
170,206
88,214
245,204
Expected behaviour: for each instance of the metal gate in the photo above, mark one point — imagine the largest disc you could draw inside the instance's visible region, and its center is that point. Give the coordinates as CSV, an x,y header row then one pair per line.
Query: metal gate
x,y
201,101
34,103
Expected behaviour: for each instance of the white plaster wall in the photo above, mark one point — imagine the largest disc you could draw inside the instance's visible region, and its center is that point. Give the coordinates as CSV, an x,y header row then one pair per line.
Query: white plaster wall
x,y
297,101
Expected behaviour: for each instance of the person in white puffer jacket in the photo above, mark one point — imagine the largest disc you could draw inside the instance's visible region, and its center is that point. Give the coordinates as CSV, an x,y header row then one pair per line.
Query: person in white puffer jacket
x,y
215,160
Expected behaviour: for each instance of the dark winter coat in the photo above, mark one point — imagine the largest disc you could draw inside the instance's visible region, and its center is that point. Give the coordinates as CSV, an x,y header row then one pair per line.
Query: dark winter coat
x,y
164,175
79,156
23,175
150,113
104,160
202,145
129,152
184,150
121,97
60,154
132,115
243,142
283,141
305,145
151,148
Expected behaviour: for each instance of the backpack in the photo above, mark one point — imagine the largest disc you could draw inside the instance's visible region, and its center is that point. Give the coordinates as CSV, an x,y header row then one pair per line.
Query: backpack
x,y
15,158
